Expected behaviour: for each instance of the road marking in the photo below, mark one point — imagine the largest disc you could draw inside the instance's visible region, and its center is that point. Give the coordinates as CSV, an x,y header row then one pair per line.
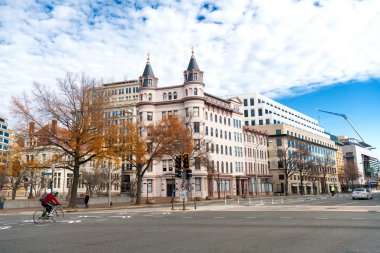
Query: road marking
x,y
42,225
251,217
218,217
28,221
321,218
74,221
5,227
87,216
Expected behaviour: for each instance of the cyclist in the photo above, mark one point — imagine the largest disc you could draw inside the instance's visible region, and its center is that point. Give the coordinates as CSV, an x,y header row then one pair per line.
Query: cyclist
x,y
50,201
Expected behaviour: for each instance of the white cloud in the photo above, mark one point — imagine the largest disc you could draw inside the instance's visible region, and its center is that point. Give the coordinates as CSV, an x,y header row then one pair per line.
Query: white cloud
x,y
269,46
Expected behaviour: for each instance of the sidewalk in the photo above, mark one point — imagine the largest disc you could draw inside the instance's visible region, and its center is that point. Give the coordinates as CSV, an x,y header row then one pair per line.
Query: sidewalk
x,y
159,203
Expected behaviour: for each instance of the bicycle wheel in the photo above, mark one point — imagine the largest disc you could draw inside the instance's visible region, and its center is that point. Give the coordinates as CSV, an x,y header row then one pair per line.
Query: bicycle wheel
x,y
38,216
58,215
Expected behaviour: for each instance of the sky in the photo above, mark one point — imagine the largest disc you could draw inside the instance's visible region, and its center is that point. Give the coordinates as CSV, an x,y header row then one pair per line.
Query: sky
x,y
303,53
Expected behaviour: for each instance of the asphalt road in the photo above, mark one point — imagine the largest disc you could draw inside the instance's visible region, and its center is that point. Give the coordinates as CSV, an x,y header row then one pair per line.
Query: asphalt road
x,y
225,229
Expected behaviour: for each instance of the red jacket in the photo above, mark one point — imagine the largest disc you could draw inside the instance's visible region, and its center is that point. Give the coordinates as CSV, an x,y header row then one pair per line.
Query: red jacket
x,y
50,199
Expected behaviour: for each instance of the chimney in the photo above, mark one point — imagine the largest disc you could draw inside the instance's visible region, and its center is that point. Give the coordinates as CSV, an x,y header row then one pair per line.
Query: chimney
x,y
54,126
31,128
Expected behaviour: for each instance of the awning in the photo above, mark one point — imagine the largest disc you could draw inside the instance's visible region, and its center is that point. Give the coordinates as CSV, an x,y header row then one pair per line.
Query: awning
x,y
296,185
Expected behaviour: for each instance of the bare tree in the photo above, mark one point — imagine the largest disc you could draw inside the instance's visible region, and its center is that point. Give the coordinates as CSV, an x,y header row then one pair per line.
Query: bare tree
x,y
286,162
351,173
326,166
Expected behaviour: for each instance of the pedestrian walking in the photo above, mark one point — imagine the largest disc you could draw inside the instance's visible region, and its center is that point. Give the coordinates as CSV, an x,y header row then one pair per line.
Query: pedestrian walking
x,y
86,199
333,190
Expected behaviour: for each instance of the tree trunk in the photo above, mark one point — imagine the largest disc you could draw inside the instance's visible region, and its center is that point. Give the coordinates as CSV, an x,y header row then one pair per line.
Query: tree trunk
x,y
302,188
286,185
74,186
138,190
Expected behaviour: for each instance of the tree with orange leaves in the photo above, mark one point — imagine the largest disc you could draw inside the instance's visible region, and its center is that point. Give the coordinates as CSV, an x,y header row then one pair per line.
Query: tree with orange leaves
x,y
82,132
144,145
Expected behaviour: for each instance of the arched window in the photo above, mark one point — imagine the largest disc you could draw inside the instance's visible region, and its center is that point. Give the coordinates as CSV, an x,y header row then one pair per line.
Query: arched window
x,y
210,116
195,92
216,118
222,167
186,92
206,116
217,148
220,119
216,132
206,130
217,166
221,134
170,96
225,135
164,96
150,96
221,149
211,131
175,95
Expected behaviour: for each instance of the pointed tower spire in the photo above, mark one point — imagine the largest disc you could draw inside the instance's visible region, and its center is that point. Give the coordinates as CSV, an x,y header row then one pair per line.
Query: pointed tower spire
x,y
193,73
193,63
148,79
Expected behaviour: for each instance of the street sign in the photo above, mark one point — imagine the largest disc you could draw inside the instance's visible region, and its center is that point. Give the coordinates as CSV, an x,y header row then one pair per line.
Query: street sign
x,y
183,195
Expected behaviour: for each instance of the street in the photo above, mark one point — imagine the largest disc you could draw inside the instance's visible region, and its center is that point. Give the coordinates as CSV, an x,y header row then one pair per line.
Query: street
x,y
211,228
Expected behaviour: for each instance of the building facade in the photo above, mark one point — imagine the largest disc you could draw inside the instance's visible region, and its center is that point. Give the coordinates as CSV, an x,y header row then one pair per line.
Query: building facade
x,y
217,126
321,154
363,159
4,139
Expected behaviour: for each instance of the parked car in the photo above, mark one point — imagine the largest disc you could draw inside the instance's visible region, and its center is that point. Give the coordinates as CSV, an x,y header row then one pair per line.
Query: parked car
x,y
362,193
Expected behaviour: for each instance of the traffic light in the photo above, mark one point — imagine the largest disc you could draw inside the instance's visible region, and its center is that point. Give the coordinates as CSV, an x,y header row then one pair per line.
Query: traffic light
x,y
178,173
178,162
189,174
186,161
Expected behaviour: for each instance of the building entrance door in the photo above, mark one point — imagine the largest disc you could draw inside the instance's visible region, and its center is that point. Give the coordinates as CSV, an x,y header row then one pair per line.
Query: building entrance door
x,y
169,188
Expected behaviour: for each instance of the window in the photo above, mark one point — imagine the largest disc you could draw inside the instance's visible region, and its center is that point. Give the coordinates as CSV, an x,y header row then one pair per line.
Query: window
x,y
246,123
261,122
206,130
211,131
206,116
197,163
198,184
252,112
175,95
245,113
163,115
245,102
216,132
278,132
149,182
267,121
251,101
196,127
279,142
150,97
196,111
260,112
195,90
149,116
170,96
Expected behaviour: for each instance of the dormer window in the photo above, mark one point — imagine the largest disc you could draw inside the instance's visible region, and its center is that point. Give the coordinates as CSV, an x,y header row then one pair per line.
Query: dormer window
x,y
195,75
150,82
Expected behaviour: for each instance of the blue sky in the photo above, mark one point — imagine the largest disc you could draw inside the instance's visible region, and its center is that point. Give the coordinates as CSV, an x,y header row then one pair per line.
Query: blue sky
x,y
359,101
303,53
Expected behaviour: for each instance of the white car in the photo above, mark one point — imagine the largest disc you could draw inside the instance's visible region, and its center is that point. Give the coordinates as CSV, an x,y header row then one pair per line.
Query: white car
x,y
362,193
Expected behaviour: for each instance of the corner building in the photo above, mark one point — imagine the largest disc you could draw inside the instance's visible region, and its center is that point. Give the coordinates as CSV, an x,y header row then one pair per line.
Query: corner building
x,y
217,127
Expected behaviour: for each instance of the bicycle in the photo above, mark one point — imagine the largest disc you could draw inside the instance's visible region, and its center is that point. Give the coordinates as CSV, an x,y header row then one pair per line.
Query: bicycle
x,y
40,216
